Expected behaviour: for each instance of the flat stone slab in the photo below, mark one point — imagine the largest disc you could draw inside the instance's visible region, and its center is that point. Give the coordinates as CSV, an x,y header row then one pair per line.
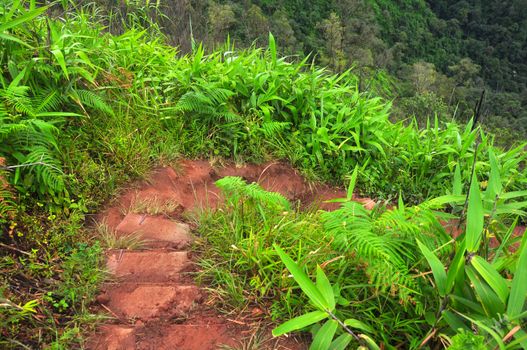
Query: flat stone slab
x,y
191,337
156,229
147,266
112,337
149,301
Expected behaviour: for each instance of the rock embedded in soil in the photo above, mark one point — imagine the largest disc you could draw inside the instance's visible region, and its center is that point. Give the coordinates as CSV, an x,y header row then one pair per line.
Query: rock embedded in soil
x,y
190,337
113,337
156,230
132,301
147,266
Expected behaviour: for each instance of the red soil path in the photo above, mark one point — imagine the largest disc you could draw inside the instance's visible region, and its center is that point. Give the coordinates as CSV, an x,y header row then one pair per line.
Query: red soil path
x,y
152,302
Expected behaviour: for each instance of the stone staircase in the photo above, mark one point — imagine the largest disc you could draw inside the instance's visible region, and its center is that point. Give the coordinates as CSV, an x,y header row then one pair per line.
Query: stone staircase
x,y
150,297
152,301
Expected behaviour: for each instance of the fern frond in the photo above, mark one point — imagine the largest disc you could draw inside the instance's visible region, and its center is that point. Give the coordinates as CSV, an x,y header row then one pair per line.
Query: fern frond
x,y
235,188
92,100
49,173
270,129
47,100
385,242
16,99
7,200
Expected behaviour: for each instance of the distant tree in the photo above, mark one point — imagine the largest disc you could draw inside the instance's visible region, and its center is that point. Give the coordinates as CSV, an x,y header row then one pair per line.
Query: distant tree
x,y
284,33
465,72
423,77
332,32
221,18
257,25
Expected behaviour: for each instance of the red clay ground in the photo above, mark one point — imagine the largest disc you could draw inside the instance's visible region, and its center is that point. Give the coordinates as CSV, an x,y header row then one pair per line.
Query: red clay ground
x,y
152,302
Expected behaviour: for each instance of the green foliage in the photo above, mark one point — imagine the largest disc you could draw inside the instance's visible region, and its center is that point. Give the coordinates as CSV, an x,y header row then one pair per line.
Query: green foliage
x,y
467,340
386,242
484,286
322,296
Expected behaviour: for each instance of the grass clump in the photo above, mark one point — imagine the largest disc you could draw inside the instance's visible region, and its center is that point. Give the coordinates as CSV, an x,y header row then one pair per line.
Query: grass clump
x,y
375,261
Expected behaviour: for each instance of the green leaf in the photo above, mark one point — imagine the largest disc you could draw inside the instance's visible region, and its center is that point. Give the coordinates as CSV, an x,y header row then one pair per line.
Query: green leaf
x,y
28,16
504,242
341,342
457,185
491,303
487,329
492,277
59,56
303,280
456,267
474,217
514,194
14,39
519,284
324,336
438,269
325,288
494,185
353,181
272,48
353,323
299,322
57,114
371,343
454,321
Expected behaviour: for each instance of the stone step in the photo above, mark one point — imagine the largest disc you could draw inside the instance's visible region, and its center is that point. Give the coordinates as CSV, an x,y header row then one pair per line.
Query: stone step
x,y
147,266
113,337
157,231
147,301
190,337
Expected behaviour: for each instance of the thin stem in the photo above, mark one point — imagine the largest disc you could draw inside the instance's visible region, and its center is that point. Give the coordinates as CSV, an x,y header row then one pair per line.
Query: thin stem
x,y
346,328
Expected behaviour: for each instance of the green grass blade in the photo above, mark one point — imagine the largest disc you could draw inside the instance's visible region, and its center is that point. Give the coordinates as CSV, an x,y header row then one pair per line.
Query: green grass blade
x,y
325,288
474,217
371,343
324,336
28,16
457,185
303,280
456,267
299,322
353,182
492,277
341,342
353,323
438,269
491,303
519,284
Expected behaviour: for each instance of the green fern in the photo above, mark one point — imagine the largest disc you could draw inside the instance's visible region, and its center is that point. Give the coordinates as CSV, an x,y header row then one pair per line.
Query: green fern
x,y
236,189
385,241
271,129
208,100
30,142
7,200
89,98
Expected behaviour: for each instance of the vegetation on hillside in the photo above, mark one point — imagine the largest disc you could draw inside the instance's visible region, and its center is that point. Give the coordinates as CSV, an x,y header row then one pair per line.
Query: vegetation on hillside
x,y
82,111
439,55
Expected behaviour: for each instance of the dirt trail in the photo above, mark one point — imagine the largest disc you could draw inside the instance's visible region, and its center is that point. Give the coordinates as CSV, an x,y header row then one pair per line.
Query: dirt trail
x,y
153,302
